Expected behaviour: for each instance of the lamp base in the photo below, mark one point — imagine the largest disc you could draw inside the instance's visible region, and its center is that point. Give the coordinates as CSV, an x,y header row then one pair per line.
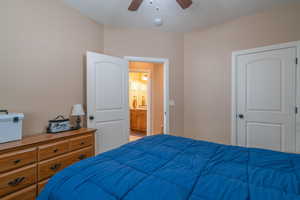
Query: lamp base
x,y
78,122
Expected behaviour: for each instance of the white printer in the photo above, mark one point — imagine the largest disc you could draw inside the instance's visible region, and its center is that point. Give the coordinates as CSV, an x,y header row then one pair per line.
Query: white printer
x,y
10,126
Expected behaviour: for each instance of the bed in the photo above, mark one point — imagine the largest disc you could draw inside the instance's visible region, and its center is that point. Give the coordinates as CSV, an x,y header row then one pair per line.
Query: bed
x,y
167,167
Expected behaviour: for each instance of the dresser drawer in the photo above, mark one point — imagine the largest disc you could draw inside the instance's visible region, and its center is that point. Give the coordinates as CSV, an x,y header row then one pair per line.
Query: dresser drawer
x,y
25,194
16,159
41,185
53,149
50,167
80,142
81,154
17,179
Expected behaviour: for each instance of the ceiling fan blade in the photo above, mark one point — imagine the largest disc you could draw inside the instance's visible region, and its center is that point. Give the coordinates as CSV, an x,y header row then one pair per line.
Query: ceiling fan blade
x,y
135,4
184,3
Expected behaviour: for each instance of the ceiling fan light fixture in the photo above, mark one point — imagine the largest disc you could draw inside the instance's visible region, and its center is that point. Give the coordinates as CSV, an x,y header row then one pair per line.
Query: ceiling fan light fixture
x,y
184,4
158,21
134,5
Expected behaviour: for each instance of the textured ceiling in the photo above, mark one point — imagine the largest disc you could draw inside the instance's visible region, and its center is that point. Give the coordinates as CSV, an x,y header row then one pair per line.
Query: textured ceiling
x,y
201,14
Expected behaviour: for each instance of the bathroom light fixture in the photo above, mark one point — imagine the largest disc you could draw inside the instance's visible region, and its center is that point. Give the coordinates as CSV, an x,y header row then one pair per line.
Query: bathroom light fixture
x,y
145,77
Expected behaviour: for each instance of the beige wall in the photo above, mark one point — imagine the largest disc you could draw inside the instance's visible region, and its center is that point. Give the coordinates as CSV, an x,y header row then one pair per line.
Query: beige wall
x,y
207,66
152,43
157,98
42,49
42,61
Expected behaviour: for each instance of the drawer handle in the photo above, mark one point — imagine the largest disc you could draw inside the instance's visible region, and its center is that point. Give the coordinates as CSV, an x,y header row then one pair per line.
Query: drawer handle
x,y
55,150
16,182
55,167
82,156
17,161
82,143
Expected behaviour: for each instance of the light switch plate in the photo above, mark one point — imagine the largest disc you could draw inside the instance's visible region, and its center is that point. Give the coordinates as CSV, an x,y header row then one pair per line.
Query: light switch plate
x,y
172,102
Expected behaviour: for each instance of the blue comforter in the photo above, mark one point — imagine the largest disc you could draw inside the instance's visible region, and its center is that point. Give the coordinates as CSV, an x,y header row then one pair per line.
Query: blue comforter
x,y
168,167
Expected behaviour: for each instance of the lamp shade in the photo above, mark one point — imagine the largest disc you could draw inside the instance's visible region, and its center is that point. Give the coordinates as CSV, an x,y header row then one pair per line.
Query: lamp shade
x,y
77,110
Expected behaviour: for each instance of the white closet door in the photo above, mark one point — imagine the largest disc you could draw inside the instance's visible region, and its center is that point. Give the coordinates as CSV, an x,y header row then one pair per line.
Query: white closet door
x,y
107,100
266,96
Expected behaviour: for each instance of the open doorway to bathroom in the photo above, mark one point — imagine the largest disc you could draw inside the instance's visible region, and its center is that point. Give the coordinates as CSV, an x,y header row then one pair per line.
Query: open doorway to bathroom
x,y
146,99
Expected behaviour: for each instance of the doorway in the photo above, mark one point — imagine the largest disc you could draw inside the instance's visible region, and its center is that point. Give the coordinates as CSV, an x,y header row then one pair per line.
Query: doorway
x,y
107,95
147,95
139,101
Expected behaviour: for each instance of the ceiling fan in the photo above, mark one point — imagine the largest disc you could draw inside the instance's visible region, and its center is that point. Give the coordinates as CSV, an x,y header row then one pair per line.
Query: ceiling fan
x,y
135,4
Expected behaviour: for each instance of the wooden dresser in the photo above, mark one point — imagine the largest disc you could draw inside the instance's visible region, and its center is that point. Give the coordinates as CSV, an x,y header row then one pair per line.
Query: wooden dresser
x,y
27,165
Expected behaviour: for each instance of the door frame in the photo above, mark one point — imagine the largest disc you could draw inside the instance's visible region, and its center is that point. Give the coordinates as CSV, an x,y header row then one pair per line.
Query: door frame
x,y
165,62
234,102
149,98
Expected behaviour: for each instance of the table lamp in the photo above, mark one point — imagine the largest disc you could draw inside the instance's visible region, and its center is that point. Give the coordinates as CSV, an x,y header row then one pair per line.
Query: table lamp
x,y
77,111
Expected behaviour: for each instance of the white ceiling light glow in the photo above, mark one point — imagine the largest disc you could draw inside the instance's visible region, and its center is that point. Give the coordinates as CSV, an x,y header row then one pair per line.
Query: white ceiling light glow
x,y
158,21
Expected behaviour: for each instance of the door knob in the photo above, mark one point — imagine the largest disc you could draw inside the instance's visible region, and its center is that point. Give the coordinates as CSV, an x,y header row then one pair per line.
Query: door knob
x,y
91,117
241,116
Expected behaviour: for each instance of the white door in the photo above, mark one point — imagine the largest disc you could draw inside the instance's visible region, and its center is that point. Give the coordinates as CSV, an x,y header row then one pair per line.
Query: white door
x,y
107,100
266,97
